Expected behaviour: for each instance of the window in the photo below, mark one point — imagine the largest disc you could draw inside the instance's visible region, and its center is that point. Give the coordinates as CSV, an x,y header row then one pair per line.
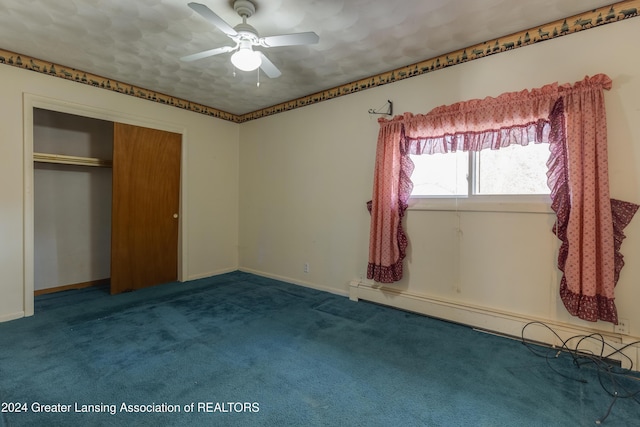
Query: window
x,y
440,175
509,171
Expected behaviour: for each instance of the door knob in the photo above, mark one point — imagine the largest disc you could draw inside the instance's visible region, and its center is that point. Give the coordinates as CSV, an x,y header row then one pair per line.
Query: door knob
x,y
175,215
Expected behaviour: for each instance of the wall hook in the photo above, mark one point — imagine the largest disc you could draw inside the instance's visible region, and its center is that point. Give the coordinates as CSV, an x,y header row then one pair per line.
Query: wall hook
x,y
389,107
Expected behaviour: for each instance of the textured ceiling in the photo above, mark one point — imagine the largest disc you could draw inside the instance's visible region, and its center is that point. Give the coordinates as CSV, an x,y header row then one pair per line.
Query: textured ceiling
x,y
140,42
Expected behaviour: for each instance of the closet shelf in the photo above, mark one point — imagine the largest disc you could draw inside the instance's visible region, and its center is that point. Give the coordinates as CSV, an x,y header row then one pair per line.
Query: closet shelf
x,y
71,160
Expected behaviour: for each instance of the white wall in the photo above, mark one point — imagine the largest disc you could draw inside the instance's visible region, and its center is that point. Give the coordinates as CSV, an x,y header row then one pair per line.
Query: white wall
x,y
305,178
306,175
209,175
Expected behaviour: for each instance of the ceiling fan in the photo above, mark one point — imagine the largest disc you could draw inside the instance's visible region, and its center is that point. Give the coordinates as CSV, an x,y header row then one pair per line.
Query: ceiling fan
x,y
245,38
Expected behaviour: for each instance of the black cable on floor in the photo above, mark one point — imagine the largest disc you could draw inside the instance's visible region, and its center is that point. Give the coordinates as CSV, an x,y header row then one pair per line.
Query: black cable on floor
x,y
602,362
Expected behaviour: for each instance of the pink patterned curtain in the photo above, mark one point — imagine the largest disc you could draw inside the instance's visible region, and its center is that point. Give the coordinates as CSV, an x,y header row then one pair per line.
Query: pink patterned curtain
x,y
391,188
589,223
572,119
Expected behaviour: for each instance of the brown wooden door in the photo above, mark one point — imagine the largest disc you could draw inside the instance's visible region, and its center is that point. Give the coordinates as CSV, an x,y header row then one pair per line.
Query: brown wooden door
x,y
146,199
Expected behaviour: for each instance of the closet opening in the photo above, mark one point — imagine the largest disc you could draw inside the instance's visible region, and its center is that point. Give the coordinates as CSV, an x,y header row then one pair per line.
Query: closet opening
x,y
103,200
72,189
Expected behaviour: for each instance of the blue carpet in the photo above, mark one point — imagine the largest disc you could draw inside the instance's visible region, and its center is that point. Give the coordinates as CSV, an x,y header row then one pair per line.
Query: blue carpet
x,y
242,350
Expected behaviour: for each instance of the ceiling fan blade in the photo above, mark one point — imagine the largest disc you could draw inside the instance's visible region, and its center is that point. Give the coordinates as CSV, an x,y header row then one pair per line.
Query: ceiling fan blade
x,y
207,14
207,53
269,69
290,39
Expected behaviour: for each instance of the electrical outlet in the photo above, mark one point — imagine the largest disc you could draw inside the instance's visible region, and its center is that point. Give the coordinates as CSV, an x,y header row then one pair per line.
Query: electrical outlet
x,y
306,267
622,327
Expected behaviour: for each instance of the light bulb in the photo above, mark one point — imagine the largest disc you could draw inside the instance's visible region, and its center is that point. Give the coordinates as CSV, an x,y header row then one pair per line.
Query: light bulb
x,y
246,59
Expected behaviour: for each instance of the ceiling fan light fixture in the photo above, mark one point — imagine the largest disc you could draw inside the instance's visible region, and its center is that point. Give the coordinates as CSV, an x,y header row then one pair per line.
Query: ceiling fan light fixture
x,y
246,59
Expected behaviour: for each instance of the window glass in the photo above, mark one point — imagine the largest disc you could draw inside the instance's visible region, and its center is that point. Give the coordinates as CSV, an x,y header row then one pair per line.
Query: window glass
x,y
513,170
440,175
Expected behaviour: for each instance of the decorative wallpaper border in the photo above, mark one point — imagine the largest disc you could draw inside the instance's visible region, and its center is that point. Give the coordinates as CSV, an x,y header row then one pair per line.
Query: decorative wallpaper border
x,y
584,21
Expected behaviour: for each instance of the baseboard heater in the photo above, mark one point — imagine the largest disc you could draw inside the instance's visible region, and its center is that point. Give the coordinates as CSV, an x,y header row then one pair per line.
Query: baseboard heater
x,y
496,321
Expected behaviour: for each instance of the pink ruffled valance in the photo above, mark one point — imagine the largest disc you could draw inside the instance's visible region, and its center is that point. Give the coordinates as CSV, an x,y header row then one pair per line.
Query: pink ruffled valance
x,y
570,117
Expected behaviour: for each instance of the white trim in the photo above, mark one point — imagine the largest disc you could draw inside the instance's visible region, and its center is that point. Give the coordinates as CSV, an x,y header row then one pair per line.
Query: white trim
x,y
28,208
31,101
484,318
212,273
183,247
294,281
516,204
12,316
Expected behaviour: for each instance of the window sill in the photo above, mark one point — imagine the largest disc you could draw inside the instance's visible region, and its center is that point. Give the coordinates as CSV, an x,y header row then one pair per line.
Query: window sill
x,y
515,204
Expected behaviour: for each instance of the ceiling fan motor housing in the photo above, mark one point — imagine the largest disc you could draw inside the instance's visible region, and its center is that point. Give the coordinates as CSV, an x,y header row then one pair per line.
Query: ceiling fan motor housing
x,y
245,9
246,32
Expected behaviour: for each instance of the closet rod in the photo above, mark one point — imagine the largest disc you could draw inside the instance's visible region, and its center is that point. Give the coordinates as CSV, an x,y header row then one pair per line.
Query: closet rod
x,y
71,160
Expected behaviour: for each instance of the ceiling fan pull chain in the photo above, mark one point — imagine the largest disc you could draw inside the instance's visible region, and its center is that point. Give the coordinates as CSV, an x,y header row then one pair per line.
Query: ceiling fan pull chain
x,y
258,70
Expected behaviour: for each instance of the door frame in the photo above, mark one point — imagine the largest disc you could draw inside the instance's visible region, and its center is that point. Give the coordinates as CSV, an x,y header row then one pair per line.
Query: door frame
x,y
31,101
